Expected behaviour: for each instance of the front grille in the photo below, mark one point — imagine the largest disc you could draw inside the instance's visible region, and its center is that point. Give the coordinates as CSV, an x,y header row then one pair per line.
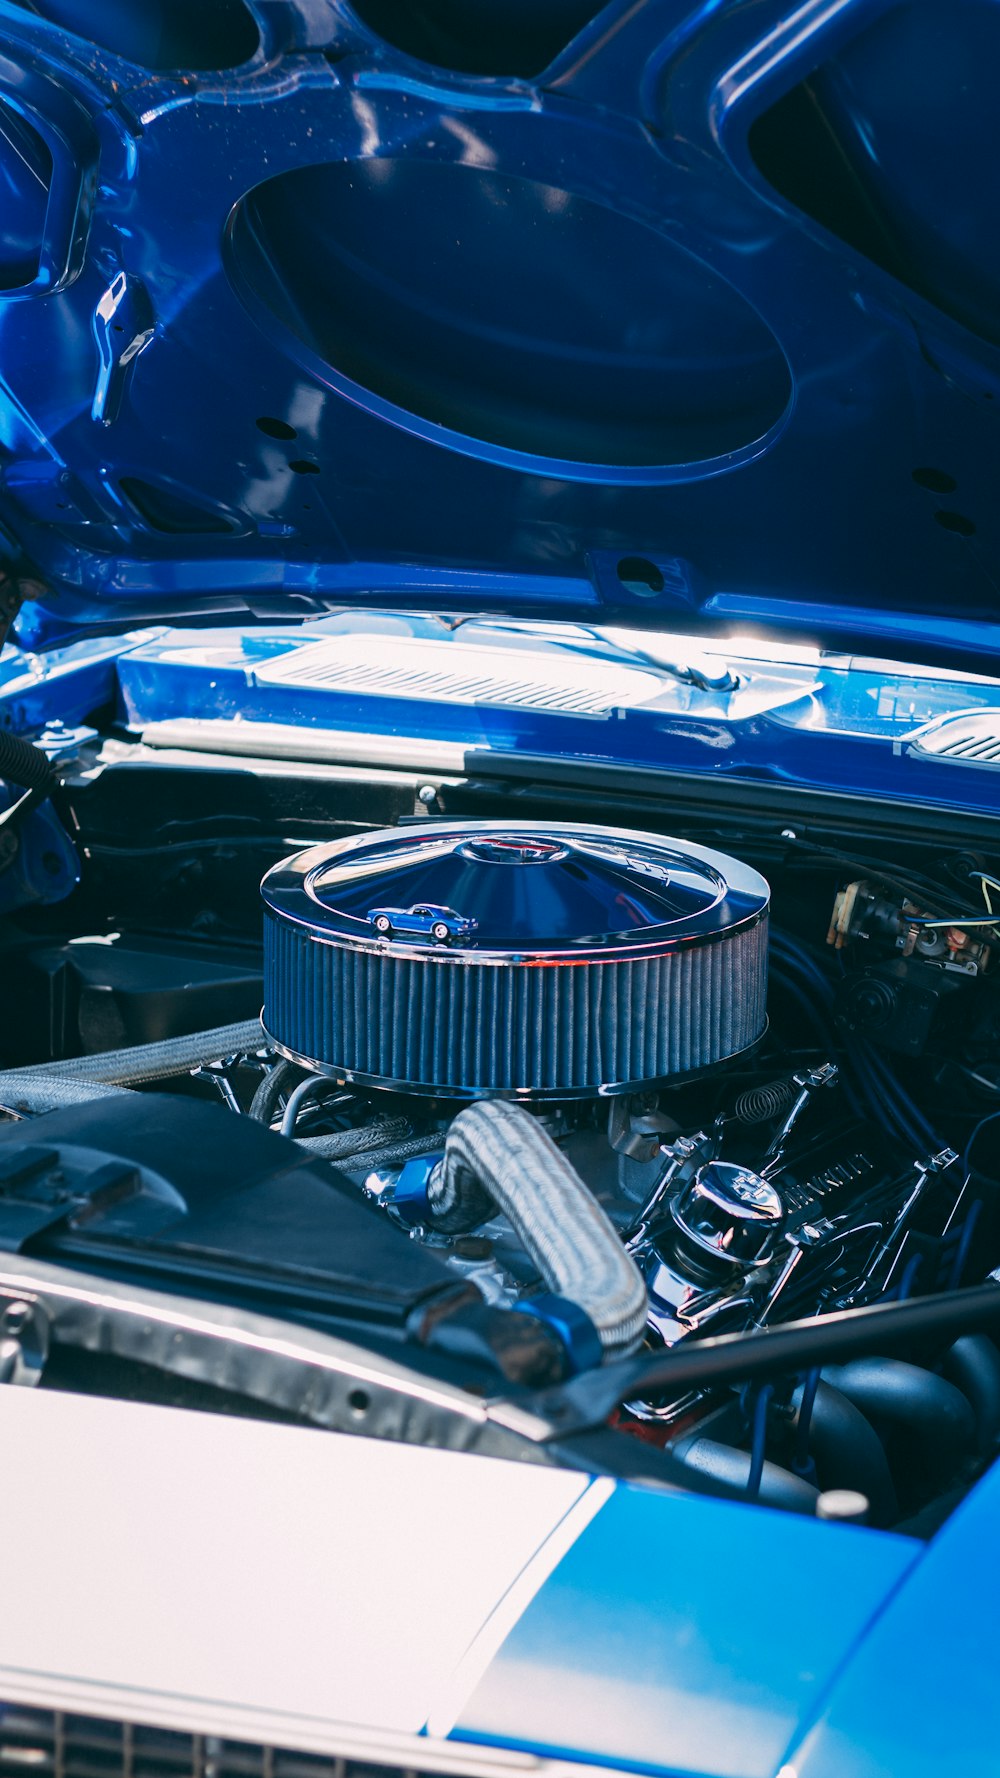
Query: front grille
x,y
36,1743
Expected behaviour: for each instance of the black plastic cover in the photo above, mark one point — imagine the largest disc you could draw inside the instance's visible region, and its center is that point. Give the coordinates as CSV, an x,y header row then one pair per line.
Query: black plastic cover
x,y
210,1204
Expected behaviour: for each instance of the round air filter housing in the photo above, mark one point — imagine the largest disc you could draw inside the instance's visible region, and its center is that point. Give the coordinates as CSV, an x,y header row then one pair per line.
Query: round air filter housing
x,y
518,959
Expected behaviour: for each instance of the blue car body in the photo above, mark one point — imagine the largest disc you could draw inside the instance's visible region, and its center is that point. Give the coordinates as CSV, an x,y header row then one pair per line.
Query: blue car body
x,y
198,418
432,386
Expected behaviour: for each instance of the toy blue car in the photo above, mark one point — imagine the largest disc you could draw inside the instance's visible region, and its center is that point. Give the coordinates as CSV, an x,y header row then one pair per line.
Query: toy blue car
x,y
538,458
425,919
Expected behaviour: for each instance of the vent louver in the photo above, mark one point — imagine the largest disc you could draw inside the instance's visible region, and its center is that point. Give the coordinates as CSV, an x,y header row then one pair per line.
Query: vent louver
x,y
58,1744
418,670
971,739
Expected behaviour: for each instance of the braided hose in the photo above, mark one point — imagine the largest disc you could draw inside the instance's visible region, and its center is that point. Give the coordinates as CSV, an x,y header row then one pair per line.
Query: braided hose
x,y
23,764
370,1143
27,1092
497,1157
153,1061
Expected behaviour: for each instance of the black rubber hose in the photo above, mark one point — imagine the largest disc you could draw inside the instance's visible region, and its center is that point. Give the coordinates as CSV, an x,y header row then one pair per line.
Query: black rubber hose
x,y
25,765
796,1346
264,1103
22,763
726,1464
973,1365
848,1452
905,1396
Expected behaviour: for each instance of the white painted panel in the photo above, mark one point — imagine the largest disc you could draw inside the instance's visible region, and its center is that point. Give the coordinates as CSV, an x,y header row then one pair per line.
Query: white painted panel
x,y
259,1566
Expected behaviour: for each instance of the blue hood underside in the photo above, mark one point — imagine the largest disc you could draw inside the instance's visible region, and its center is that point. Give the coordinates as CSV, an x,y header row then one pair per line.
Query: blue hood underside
x,y
688,314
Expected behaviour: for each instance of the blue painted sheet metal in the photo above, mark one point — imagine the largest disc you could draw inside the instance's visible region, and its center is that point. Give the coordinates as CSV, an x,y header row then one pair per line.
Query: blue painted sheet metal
x,y
45,868
318,288
681,1635
556,690
64,685
565,692
920,1696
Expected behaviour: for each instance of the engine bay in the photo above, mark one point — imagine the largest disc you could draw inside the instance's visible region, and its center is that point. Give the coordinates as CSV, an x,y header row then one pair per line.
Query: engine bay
x,y
533,1099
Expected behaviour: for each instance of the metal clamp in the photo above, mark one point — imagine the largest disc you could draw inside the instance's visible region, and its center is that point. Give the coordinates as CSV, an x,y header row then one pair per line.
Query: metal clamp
x,y
24,1341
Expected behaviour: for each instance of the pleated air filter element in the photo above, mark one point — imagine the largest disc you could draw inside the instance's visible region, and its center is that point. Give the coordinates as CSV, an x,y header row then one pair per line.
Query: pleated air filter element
x,y
513,959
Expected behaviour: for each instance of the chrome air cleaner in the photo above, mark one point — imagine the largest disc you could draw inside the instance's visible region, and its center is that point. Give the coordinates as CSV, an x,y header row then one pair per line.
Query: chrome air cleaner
x,y
522,959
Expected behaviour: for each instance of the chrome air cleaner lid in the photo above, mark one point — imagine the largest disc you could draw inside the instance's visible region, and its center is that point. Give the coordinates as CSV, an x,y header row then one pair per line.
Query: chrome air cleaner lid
x,y
524,958
516,887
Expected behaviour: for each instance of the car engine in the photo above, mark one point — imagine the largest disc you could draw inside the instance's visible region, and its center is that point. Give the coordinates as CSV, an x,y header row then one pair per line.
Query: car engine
x,y
555,1094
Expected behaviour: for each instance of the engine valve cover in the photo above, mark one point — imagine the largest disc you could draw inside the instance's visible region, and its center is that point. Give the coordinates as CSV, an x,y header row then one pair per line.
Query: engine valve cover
x,y
519,959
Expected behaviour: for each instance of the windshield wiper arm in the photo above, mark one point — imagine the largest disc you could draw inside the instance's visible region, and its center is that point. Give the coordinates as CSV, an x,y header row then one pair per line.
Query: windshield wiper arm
x,y
695,668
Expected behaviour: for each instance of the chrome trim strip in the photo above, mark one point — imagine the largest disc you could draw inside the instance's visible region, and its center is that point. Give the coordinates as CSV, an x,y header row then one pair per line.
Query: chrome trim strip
x,y
530,1095
316,1376
277,740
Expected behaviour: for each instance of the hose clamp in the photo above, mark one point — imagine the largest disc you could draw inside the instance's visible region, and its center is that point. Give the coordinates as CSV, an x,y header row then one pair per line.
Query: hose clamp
x,y
572,1325
409,1198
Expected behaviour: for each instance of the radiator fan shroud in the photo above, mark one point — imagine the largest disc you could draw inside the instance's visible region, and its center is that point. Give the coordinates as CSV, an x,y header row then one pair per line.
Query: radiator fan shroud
x,y
522,959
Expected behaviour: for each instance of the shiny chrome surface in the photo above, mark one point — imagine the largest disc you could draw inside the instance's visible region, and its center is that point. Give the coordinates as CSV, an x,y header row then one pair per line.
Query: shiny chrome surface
x,y
318,1377
534,1095
580,961
729,1213
538,891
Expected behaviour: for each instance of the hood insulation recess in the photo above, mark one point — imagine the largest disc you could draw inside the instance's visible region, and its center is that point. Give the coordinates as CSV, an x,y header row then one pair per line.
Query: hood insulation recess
x,y
677,313
523,960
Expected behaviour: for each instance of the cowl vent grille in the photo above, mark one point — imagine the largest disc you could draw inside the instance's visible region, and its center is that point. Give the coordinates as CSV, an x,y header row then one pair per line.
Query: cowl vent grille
x,y
972,739
461,673
56,1744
